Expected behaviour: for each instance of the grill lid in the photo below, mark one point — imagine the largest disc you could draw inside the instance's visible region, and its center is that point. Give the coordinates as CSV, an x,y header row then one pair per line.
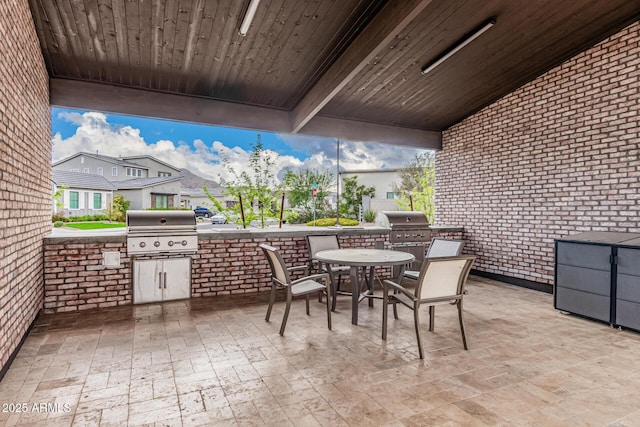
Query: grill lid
x,y
161,221
402,219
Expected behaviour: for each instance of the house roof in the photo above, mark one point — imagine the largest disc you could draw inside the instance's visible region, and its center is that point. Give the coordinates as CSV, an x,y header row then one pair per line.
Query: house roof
x,y
128,158
135,184
82,180
347,69
109,159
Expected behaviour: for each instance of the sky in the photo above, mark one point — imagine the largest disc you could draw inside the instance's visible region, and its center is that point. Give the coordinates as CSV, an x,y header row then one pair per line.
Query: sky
x,y
202,149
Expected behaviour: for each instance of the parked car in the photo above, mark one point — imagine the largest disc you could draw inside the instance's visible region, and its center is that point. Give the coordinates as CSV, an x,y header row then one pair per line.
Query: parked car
x,y
205,212
218,218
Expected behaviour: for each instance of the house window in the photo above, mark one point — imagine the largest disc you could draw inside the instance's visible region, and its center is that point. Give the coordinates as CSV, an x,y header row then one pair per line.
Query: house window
x,y
75,170
100,172
164,173
162,201
114,171
82,160
134,172
74,200
86,170
392,195
97,200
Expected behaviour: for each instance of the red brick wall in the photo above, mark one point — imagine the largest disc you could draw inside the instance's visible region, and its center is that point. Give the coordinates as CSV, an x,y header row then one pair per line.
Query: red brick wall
x,y
560,155
25,173
75,278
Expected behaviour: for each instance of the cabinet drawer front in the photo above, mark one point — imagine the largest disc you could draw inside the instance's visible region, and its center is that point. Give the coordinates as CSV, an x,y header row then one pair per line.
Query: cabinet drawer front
x,y
581,255
584,279
584,303
628,314
628,288
629,261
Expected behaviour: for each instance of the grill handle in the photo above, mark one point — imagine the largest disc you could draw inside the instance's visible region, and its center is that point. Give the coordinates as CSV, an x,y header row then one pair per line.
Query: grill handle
x,y
165,280
160,280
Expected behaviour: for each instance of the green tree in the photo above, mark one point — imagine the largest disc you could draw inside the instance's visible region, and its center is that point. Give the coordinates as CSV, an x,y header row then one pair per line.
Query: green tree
x,y
351,196
257,187
119,208
299,188
417,181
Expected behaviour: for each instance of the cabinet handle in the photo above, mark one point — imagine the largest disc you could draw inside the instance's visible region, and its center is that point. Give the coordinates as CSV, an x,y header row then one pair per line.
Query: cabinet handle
x,y
165,280
160,280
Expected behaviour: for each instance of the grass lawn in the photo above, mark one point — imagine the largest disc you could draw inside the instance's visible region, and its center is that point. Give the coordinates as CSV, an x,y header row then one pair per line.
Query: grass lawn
x,y
94,225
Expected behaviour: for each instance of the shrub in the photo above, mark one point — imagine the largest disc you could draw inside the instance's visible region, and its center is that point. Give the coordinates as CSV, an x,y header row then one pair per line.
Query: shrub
x,y
58,224
369,215
327,222
58,217
87,218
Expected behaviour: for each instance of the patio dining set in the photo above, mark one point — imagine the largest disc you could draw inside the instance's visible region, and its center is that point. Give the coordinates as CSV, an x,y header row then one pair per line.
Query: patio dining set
x,y
439,281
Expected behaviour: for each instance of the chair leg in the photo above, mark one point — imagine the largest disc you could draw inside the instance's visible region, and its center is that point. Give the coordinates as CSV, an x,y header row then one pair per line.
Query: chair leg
x,y
334,289
464,337
272,299
385,306
432,317
328,310
306,297
286,314
395,310
416,320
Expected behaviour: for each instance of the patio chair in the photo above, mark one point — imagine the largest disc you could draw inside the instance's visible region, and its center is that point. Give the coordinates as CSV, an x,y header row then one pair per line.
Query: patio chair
x,y
300,287
439,247
317,243
441,281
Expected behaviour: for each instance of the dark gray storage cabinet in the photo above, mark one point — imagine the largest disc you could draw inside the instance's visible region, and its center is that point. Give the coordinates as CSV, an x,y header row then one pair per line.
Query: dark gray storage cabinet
x,y
627,302
597,278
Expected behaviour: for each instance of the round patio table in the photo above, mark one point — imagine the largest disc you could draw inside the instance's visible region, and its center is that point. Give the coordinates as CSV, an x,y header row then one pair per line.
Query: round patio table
x,y
360,257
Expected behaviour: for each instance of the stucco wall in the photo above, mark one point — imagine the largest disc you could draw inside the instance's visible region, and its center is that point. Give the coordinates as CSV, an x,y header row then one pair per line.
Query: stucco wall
x,y
25,173
558,156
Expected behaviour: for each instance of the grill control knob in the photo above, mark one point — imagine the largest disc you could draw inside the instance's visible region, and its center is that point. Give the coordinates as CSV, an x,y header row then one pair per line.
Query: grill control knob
x,y
143,244
170,243
184,243
156,244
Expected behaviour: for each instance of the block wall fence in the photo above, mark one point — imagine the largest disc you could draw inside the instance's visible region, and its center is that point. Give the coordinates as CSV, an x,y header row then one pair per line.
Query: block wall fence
x,y
25,174
75,278
558,156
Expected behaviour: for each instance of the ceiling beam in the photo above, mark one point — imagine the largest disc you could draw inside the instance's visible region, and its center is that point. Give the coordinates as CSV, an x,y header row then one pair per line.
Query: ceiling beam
x,y
383,28
82,95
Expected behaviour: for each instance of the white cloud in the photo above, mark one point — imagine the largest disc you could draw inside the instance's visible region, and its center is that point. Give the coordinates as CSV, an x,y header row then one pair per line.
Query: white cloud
x,y
95,134
207,159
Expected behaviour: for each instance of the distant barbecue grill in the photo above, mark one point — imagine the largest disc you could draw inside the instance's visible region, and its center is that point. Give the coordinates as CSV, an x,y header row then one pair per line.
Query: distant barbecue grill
x,y
408,232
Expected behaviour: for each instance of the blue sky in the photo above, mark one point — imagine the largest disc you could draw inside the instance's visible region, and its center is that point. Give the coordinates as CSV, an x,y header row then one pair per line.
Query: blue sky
x,y
201,148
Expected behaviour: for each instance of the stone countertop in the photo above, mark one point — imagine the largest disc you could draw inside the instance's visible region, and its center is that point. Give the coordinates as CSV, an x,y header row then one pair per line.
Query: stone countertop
x,y
60,235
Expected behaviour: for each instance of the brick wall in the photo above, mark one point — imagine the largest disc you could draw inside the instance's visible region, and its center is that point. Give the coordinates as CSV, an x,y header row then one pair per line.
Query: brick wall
x,y
75,278
560,155
25,182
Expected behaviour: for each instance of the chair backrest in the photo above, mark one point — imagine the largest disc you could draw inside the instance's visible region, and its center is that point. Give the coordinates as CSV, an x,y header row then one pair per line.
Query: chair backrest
x,y
276,263
440,247
443,277
317,243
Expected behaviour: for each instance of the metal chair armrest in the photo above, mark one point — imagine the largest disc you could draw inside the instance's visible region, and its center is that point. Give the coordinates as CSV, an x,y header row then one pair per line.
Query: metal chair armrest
x,y
324,276
398,288
298,267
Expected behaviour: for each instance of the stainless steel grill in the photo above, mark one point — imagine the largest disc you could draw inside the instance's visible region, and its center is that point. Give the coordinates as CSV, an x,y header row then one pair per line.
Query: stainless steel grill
x,y
155,232
405,227
408,232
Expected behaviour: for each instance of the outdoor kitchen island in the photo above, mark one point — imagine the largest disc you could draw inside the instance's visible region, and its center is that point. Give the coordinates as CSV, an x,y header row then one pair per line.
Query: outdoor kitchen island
x,y
87,271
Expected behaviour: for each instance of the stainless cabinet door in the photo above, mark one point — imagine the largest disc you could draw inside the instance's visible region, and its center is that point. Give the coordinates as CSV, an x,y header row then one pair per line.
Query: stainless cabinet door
x,y
147,284
176,276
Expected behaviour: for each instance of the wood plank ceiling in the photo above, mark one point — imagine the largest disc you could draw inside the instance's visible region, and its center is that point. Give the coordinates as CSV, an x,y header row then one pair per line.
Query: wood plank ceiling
x,y
343,68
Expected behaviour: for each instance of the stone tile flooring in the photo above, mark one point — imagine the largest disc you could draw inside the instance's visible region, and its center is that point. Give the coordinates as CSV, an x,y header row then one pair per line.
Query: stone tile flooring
x,y
217,362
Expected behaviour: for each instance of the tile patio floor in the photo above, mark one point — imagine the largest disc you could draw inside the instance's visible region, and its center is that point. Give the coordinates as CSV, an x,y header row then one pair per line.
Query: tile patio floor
x,y
217,362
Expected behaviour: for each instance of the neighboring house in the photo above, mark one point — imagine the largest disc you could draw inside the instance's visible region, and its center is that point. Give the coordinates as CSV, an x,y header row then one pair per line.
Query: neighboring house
x,y
194,197
83,193
117,168
143,180
380,179
144,193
